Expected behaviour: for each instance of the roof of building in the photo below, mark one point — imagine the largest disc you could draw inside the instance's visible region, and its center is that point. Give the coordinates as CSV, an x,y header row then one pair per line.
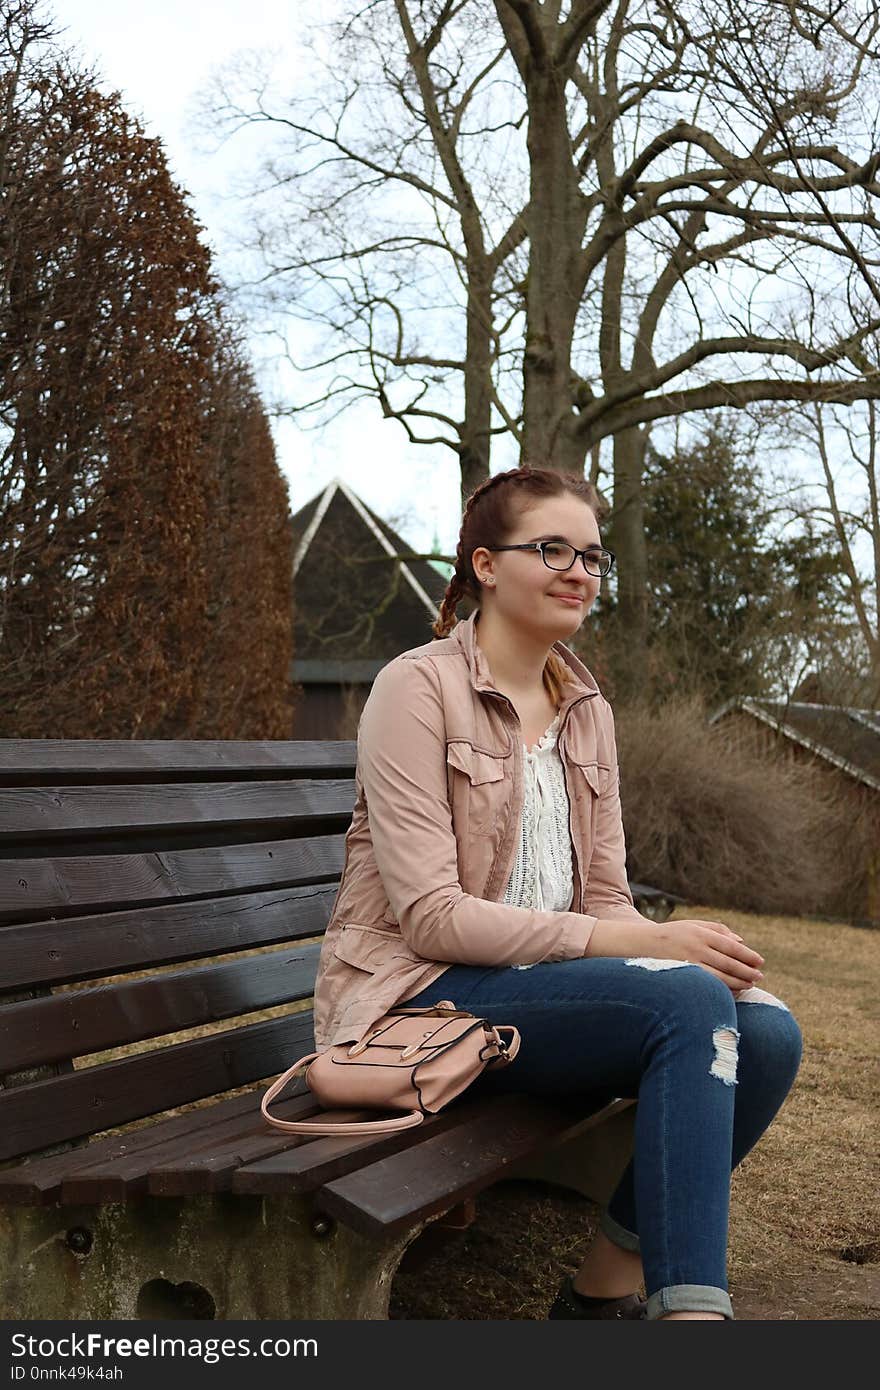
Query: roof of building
x,y
355,606
843,735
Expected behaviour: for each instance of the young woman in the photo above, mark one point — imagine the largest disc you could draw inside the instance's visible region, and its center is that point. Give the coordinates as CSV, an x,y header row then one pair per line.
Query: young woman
x,y
485,863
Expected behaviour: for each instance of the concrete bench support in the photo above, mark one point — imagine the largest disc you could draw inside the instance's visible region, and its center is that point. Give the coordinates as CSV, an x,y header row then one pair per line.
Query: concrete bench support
x,y
222,1257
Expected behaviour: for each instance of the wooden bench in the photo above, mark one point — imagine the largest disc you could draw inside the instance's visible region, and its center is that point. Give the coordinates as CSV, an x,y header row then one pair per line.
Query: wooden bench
x,y
161,907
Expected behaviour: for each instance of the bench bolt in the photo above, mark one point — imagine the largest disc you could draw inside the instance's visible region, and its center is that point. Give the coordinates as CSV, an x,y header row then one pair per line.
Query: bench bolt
x,y
79,1240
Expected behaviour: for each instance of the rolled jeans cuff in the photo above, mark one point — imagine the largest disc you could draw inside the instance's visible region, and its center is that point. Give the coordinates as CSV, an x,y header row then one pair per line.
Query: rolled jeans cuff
x,y
689,1298
619,1235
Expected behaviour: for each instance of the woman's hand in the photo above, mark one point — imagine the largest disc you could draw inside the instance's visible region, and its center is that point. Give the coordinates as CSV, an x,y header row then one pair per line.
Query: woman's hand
x,y
713,946
709,944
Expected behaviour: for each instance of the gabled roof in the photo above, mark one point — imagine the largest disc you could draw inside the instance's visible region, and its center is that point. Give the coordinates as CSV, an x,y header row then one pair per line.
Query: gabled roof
x,y
348,607
843,735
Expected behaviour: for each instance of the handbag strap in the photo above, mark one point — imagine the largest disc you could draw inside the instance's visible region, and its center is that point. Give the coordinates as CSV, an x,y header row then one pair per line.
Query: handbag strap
x,y
512,1048
415,1117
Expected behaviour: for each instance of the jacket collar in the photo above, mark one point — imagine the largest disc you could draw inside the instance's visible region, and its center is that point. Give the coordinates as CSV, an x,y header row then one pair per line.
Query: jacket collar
x,y
464,634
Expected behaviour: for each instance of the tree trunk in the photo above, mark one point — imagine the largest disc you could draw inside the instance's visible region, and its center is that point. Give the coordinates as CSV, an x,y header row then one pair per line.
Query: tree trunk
x,y
556,230
627,540
476,428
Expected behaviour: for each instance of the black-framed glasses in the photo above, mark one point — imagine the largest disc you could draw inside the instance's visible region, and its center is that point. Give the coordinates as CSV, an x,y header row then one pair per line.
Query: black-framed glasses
x,y
559,555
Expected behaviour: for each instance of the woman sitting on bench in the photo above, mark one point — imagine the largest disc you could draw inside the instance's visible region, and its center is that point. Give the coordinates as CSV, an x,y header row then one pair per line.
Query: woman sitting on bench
x,y
485,864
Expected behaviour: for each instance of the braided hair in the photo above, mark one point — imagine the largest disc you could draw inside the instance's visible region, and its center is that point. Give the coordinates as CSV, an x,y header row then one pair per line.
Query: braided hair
x,y
490,514
463,581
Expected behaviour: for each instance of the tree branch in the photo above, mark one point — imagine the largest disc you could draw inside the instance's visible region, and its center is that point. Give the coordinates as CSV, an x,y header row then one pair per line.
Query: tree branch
x,y
722,394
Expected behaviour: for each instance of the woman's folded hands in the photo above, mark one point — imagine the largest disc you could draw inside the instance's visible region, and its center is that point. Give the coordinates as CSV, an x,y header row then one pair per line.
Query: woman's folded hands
x,y
710,944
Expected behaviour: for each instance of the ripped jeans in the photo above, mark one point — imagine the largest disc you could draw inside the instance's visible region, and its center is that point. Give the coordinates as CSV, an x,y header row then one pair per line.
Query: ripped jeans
x,y
710,1071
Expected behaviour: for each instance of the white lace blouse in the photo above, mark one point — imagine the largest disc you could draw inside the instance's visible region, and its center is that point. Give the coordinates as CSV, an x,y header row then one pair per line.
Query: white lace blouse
x,y
542,874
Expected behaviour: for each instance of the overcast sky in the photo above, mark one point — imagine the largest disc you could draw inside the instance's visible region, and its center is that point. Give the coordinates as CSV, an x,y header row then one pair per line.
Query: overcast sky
x,y
158,55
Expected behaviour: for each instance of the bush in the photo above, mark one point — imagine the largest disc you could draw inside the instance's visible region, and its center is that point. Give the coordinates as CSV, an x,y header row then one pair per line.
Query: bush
x,y
709,818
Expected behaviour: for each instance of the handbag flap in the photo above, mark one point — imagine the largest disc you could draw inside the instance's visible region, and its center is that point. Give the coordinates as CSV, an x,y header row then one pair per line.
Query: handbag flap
x,y
425,1037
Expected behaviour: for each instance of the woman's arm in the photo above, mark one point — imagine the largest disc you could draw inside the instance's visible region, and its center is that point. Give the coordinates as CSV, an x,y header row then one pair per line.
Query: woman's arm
x,y
403,771
622,931
606,892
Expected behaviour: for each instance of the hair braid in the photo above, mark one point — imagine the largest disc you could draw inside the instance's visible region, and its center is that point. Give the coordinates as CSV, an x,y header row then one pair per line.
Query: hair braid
x,y
463,583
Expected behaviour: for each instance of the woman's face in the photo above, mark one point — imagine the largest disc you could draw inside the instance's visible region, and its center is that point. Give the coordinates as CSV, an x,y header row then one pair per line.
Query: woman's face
x,y
525,591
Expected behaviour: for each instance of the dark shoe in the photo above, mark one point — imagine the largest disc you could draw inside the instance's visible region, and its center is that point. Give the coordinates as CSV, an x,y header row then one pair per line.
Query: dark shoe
x,y
570,1304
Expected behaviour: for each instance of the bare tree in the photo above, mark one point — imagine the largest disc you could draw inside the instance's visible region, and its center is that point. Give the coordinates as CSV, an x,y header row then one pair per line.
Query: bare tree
x,y
393,234
842,505
567,222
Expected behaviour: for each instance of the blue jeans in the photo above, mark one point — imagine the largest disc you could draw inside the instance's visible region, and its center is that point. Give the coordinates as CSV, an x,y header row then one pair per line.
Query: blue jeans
x,y
709,1071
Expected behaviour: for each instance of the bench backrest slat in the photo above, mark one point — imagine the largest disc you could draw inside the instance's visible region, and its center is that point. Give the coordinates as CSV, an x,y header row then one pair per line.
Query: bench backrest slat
x,y
39,761
34,888
78,1023
68,814
98,1098
88,948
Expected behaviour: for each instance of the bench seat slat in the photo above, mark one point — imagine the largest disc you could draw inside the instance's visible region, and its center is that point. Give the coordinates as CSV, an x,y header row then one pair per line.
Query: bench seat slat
x,y
35,1181
53,814
84,948
305,1169
31,888
427,1178
75,1024
101,1097
116,1178
212,1168
204,1160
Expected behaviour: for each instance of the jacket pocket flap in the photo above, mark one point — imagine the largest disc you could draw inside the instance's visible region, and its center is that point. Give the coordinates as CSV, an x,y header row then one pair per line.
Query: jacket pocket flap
x,y
476,764
367,948
596,775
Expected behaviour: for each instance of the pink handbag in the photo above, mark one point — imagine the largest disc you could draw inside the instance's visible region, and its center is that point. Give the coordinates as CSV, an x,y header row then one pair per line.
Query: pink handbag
x,y
415,1060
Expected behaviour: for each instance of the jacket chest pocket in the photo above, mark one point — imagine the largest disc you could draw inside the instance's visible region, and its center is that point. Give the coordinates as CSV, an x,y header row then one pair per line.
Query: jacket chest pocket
x,y
478,786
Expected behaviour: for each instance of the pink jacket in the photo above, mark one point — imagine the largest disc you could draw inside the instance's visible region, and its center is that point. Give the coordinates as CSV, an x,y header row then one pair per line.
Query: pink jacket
x,y
434,834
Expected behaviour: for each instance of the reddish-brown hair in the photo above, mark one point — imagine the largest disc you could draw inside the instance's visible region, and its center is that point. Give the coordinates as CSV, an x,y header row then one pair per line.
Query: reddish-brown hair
x,y
491,514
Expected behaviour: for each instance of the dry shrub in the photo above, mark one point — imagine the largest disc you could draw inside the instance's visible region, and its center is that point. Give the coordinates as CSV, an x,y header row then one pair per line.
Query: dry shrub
x,y
352,701
710,819
851,834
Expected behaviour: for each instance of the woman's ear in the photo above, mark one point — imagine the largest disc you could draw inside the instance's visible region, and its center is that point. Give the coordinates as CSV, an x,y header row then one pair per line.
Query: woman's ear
x,y
481,565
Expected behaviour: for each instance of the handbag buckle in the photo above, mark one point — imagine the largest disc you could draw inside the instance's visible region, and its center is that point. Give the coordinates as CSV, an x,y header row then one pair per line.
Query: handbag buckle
x,y
413,1047
358,1047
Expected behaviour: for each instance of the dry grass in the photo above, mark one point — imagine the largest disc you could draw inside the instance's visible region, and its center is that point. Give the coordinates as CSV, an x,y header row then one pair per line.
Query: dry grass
x,y
805,1220
808,1192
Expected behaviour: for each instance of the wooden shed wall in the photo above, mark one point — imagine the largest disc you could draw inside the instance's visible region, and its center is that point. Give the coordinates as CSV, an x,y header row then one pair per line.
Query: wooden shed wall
x,y
328,711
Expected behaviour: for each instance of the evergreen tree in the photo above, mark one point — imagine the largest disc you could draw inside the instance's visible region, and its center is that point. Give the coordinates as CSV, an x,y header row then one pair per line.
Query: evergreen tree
x,y
733,604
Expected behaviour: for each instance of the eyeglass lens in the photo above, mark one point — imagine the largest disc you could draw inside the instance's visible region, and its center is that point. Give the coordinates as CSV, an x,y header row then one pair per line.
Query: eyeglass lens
x,y
561,557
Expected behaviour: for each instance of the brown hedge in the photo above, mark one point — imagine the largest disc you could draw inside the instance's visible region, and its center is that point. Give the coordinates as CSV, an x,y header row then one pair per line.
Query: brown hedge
x,y
144,537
